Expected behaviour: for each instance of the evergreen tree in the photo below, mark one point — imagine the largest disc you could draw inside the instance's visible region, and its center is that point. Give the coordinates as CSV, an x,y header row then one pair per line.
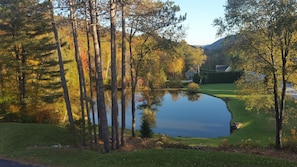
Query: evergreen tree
x,y
25,27
145,129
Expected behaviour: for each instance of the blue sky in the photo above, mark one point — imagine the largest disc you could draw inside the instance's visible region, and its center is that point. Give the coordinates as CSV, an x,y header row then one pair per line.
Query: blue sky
x,y
200,16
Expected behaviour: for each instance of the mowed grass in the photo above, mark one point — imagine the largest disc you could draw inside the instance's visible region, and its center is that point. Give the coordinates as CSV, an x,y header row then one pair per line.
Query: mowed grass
x,y
258,127
35,143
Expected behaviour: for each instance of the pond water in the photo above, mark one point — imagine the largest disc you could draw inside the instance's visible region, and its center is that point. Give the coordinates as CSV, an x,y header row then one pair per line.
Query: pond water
x,y
178,114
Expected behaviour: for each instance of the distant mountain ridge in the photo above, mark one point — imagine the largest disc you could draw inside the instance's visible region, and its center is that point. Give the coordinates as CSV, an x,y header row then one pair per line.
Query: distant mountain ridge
x,y
214,46
218,44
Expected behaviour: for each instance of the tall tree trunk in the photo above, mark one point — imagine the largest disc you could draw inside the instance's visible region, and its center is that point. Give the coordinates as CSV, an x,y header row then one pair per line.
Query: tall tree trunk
x,y
90,73
101,64
79,68
83,91
133,109
114,113
278,123
123,101
279,120
23,81
21,57
101,108
134,71
133,89
62,74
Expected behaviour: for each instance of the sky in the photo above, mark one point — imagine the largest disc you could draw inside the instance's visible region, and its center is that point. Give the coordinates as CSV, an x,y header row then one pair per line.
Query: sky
x,y
200,16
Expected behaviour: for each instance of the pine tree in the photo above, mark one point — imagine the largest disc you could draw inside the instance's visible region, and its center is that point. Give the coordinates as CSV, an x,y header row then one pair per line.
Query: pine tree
x,y
25,28
145,129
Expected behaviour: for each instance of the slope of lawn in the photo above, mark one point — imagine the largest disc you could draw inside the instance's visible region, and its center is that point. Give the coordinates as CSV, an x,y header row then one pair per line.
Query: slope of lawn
x,y
36,143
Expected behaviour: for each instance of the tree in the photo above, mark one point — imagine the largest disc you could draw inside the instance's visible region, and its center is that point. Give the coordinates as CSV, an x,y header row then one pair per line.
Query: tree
x,y
154,21
84,103
175,67
62,71
114,112
101,109
195,58
266,32
184,57
90,74
145,129
29,71
123,99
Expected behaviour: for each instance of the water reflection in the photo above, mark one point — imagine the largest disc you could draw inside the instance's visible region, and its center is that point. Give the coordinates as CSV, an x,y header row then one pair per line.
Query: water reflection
x,y
175,113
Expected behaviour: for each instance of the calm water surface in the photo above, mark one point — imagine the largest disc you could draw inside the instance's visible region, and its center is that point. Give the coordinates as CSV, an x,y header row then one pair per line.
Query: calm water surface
x,y
177,114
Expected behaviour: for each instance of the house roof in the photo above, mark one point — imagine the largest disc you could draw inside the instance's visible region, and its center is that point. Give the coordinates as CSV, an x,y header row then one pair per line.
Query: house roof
x,y
222,68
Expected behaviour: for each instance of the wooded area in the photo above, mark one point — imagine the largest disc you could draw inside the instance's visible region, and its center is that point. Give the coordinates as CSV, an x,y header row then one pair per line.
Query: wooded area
x,y
58,56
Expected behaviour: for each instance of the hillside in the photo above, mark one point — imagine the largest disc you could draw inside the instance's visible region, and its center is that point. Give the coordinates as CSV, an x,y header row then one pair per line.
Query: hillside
x,y
219,44
214,46
218,53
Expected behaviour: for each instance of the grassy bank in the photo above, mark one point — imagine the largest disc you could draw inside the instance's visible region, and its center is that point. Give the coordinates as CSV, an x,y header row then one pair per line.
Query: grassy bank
x,y
258,128
52,146
38,143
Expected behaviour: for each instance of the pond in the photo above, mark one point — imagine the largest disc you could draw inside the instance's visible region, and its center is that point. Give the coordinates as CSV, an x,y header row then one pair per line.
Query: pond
x,y
177,114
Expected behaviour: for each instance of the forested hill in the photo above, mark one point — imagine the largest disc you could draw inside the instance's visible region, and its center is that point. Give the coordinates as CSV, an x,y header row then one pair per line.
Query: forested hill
x,y
218,53
214,46
220,44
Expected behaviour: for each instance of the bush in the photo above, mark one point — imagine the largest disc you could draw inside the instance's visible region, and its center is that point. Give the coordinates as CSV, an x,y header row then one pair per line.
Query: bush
x,y
290,142
47,116
174,84
145,129
10,117
196,79
193,87
249,144
165,142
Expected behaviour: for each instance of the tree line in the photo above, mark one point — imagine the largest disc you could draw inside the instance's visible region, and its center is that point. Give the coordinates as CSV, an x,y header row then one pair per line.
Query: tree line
x,y
58,56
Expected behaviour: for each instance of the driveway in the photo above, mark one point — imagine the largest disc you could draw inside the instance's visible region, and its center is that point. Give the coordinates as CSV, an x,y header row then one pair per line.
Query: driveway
x,y
9,163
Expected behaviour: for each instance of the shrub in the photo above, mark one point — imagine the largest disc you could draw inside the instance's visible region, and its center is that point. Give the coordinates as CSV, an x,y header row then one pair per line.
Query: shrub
x,y
145,129
196,79
224,144
47,116
10,117
291,142
174,84
165,142
249,144
193,87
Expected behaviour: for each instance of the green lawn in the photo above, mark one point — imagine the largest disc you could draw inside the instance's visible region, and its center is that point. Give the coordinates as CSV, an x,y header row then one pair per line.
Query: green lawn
x,y
35,143
258,128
